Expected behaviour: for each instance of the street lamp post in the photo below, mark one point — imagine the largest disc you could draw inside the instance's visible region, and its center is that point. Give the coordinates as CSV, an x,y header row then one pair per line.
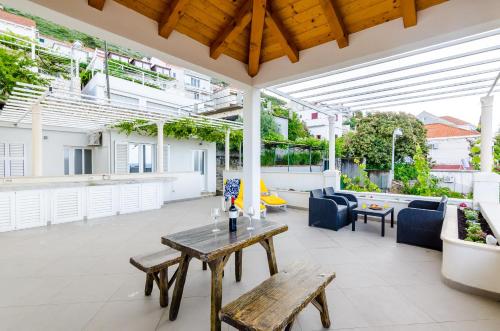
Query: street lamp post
x,y
397,133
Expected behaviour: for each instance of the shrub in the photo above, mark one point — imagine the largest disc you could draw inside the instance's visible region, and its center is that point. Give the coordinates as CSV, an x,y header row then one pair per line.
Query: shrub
x,y
405,172
475,233
361,183
471,214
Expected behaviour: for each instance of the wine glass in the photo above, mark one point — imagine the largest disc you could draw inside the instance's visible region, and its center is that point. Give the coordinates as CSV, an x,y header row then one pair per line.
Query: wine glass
x,y
250,212
215,212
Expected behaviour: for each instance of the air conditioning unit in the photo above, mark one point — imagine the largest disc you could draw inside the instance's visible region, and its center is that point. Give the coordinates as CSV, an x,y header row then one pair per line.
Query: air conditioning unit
x,y
94,139
448,179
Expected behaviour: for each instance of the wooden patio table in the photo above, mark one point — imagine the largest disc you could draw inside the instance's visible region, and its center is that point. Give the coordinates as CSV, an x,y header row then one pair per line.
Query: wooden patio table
x,y
215,248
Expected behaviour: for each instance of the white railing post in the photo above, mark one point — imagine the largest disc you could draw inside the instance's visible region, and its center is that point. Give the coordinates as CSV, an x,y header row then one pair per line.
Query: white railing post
x,y
159,148
331,142
226,150
36,140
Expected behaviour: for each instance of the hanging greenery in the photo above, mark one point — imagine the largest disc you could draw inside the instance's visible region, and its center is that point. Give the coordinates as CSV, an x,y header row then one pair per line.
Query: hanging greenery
x,y
184,128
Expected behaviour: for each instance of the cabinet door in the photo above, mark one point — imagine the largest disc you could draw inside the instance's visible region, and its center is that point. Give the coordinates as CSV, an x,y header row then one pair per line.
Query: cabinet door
x,y
30,211
7,211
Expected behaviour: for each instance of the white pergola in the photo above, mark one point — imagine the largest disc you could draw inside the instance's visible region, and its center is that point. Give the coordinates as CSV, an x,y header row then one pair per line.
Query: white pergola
x,y
39,106
451,20
467,66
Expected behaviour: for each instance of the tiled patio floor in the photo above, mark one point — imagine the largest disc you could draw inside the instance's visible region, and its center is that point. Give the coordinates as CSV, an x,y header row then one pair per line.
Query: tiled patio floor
x,y
77,276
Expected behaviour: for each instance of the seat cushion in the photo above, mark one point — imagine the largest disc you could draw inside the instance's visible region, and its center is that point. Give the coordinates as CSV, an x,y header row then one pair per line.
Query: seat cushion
x,y
273,200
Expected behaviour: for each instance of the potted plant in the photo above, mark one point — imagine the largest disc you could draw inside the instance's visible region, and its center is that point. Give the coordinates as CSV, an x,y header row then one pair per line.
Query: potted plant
x,y
471,215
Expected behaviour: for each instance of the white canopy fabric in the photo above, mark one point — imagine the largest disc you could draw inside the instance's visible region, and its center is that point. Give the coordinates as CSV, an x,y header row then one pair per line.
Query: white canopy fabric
x,y
464,67
63,108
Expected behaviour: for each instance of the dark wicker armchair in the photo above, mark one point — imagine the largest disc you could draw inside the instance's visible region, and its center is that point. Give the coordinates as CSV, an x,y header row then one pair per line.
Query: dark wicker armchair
x,y
352,201
329,212
420,224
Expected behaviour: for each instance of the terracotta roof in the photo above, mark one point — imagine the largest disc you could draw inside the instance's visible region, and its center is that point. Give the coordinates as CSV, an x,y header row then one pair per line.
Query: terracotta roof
x,y
439,130
455,120
450,167
17,19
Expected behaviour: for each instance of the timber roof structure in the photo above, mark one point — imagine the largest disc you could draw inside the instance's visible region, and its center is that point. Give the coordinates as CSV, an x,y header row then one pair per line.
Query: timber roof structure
x,y
257,31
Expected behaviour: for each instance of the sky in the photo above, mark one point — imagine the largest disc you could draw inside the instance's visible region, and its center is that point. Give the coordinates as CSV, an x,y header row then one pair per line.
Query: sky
x,y
466,108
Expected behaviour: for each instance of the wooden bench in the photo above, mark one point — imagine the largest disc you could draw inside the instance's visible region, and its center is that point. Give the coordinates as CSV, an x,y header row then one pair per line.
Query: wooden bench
x,y
275,303
155,265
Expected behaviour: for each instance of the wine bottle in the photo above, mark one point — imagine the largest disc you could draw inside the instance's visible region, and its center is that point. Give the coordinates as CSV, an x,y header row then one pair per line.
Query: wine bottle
x,y
233,215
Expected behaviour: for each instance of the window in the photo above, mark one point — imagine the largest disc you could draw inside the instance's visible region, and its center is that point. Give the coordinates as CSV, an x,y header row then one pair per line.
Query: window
x,y
196,96
314,116
195,82
140,158
77,161
11,159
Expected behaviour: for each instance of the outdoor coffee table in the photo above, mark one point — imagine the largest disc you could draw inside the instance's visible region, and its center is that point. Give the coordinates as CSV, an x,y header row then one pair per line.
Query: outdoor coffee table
x,y
215,248
373,212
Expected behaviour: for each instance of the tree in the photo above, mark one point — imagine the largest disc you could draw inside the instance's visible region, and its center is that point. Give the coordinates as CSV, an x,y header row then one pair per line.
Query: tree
x,y
475,153
16,66
296,128
269,129
372,139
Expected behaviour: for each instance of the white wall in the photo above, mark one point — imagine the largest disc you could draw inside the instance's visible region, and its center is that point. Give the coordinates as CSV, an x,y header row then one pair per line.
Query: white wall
x,y
462,181
181,157
52,146
450,150
18,29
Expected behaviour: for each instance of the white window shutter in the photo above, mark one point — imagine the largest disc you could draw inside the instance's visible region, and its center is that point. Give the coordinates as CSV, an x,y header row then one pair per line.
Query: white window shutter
x,y
2,160
121,158
166,158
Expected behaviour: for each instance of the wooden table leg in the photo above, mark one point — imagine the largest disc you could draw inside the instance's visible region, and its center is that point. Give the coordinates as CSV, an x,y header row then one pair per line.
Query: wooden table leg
x,y
217,267
149,284
179,286
204,266
383,226
238,257
164,287
271,256
320,303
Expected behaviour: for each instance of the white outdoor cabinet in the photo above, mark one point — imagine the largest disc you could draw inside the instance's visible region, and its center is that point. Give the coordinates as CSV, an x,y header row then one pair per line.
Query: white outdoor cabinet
x,y
67,205
130,198
150,196
7,214
30,209
101,201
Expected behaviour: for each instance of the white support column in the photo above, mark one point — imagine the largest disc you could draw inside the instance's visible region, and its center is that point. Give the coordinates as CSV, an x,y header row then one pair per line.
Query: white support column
x,y
159,148
486,182
36,140
331,176
251,149
487,134
226,150
331,142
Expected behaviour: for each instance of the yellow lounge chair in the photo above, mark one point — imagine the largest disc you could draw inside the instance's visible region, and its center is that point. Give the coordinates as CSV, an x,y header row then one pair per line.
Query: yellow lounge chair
x,y
238,202
270,200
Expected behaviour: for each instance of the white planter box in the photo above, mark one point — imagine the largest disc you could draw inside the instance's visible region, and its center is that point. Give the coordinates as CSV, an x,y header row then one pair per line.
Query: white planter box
x,y
467,265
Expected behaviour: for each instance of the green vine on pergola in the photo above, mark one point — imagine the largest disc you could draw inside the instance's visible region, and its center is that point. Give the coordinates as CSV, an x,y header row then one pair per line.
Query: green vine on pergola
x,y
184,128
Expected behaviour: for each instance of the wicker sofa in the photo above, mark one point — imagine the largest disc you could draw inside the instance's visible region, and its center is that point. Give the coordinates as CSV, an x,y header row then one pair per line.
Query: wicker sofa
x,y
329,212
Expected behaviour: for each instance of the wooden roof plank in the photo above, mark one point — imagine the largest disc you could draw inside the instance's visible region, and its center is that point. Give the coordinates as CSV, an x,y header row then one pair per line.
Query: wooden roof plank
x,y
232,30
283,37
97,4
257,29
335,22
169,19
409,13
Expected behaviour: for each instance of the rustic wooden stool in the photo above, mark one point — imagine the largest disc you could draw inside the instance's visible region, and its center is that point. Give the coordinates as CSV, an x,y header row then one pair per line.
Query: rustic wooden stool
x,y
275,303
155,265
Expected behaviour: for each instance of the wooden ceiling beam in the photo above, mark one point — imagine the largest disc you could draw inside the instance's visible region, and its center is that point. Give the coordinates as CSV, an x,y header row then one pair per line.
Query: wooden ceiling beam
x,y
232,30
169,19
335,22
409,13
283,37
97,4
256,31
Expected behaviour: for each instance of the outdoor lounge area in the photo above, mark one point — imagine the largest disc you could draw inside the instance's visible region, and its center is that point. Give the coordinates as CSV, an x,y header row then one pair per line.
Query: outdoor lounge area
x,y
77,276
122,206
